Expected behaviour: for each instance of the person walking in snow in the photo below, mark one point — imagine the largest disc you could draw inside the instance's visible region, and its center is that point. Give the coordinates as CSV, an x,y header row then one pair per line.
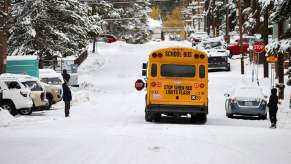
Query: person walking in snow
x,y
67,97
273,107
66,76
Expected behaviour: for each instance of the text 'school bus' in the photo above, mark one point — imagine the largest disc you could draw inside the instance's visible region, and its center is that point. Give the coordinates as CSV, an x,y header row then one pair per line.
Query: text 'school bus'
x,y
177,84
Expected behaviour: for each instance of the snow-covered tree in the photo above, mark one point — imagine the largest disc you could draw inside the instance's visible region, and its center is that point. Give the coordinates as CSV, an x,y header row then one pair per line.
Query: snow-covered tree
x,y
51,28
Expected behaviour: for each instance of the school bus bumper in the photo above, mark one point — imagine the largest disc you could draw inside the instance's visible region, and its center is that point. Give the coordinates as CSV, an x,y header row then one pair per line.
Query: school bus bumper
x,y
176,109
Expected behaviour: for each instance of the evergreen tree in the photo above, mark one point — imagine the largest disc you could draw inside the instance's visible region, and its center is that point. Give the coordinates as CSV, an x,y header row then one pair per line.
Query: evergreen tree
x,y
51,28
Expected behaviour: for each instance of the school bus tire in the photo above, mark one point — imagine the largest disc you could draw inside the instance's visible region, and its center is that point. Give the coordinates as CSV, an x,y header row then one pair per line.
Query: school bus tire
x,y
149,116
199,118
202,118
157,117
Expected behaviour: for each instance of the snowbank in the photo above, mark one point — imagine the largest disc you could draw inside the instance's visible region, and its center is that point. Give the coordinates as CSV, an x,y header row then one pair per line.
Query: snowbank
x,y
5,117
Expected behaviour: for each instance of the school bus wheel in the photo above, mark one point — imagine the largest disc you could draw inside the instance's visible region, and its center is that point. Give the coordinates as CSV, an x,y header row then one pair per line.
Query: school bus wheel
x,y
199,118
148,116
152,116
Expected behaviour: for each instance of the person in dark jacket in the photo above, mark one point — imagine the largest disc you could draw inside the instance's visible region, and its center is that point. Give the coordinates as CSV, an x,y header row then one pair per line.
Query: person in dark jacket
x,y
67,97
66,76
273,107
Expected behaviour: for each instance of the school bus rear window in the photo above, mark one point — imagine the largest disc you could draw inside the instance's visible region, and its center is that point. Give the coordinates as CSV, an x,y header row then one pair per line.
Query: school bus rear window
x,y
202,71
174,70
154,70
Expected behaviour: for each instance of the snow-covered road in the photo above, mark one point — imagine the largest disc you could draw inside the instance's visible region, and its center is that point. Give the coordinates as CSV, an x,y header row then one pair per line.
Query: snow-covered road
x,y
107,122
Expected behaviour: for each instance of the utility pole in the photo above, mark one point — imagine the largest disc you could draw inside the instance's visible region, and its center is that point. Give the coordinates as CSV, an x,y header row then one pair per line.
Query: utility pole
x,y
226,37
240,38
4,10
265,37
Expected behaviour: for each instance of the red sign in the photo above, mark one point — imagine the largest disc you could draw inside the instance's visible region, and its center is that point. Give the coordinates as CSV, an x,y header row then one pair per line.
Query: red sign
x,y
259,47
139,84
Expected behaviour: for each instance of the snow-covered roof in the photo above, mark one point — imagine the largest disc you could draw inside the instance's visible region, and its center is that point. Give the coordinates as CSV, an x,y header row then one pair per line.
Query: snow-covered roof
x,y
27,57
153,24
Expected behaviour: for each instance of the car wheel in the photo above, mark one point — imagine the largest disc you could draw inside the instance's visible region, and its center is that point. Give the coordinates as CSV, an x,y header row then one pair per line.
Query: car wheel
x,y
230,55
228,68
25,111
228,115
50,102
263,117
10,107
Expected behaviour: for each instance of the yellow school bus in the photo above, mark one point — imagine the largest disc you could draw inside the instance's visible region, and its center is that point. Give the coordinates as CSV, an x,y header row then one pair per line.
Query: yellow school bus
x,y
177,84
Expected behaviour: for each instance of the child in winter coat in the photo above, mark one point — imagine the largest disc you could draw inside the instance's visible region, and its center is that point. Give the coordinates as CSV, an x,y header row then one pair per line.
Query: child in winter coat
x,y
273,107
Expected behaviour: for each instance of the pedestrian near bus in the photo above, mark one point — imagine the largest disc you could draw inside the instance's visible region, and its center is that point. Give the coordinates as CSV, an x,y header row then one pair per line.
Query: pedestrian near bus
x,y
67,98
66,76
273,107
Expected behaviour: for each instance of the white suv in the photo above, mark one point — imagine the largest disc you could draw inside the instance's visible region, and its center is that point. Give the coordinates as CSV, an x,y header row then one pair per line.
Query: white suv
x,y
15,96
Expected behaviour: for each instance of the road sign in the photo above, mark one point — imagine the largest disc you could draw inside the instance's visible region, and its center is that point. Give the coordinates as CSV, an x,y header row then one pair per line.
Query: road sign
x,y
139,85
259,47
272,59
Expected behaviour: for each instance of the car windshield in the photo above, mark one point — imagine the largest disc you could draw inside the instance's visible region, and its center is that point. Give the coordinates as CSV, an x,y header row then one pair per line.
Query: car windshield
x,y
33,85
52,80
211,45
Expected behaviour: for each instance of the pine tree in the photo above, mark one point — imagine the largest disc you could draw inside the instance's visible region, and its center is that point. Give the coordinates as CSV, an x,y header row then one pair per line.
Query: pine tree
x,y
51,28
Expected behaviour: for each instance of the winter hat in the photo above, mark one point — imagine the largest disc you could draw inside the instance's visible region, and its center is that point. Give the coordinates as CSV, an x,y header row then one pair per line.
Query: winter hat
x,y
274,91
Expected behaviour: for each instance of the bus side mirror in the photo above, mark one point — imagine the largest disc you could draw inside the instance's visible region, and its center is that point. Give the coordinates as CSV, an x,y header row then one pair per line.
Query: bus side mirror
x,y
144,72
144,65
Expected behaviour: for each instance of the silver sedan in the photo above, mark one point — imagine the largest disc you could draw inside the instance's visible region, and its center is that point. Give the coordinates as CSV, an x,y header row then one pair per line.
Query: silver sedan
x,y
248,101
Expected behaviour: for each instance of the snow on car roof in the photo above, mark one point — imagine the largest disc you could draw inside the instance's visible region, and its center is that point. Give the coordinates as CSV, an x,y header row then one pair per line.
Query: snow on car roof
x,y
27,57
253,92
50,75
46,70
20,77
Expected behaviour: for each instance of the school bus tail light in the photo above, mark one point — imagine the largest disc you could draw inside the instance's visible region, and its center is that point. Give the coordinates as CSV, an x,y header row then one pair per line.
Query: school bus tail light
x,y
202,85
153,84
154,55
196,56
202,56
160,55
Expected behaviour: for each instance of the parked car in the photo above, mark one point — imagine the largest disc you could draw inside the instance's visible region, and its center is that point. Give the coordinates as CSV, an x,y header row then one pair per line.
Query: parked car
x,y
51,77
108,38
197,37
218,56
54,94
234,48
248,101
15,96
38,93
